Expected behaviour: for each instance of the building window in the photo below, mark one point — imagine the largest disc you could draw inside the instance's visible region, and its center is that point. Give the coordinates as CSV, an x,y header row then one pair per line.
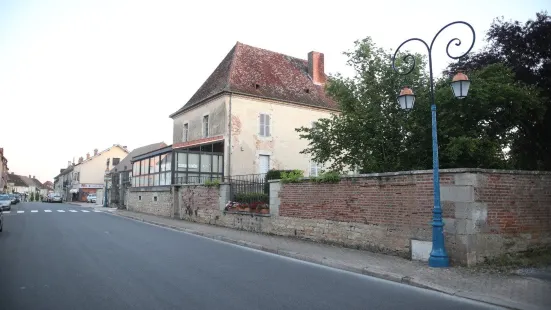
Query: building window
x,y
153,171
139,197
197,167
205,126
185,132
315,168
154,198
264,125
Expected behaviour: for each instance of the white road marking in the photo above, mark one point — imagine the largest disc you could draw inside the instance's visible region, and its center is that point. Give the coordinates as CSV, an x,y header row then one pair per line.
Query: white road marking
x,y
47,210
60,210
6,212
85,211
20,211
97,211
73,211
34,211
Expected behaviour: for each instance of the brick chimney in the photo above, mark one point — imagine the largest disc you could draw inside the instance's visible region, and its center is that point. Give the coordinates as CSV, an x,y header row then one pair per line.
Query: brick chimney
x,y
34,177
68,163
316,69
29,176
80,160
95,152
87,155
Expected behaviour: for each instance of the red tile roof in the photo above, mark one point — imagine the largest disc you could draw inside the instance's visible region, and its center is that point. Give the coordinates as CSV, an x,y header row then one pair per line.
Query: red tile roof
x,y
261,73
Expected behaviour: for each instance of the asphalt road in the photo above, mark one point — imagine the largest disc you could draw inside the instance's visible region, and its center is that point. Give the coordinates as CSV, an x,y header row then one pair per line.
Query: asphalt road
x,y
86,260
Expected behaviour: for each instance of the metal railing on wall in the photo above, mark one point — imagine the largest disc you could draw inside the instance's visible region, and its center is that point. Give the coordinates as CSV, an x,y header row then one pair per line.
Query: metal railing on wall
x,y
248,188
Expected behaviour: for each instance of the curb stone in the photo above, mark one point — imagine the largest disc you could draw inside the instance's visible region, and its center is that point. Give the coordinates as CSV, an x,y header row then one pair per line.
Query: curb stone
x,y
385,275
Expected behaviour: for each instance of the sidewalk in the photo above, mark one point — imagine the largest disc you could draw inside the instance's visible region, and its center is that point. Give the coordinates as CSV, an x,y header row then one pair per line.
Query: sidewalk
x,y
511,291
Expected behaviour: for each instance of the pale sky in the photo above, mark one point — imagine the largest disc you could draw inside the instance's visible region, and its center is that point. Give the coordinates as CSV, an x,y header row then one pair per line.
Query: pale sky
x,y
78,75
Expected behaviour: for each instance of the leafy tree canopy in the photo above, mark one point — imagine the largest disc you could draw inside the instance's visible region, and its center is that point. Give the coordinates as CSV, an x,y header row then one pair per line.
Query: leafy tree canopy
x,y
372,133
525,48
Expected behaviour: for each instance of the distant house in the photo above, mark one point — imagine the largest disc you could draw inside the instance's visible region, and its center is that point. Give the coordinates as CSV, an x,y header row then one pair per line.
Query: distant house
x,y
87,176
16,184
121,174
247,111
3,172
25,184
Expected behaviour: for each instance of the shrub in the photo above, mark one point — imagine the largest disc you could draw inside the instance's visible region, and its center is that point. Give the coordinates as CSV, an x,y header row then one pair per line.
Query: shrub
x,y
328,177
251,197
212,183
273,175
294,176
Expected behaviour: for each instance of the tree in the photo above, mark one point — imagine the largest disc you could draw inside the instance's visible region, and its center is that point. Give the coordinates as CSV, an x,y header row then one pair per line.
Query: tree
x,y
373,134
526,50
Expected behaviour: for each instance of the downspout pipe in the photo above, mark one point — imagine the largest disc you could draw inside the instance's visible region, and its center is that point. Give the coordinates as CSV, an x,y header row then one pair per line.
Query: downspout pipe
x,y
229,139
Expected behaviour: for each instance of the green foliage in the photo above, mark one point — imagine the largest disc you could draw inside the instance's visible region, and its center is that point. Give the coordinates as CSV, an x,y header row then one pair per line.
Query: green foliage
x,y
212,183
273,175
524,48
251,197
31,196
328,177
374,135
293,176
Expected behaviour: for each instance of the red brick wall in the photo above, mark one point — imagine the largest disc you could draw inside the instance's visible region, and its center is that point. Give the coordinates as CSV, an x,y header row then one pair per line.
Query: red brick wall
x,y
394,200
517,204
487,213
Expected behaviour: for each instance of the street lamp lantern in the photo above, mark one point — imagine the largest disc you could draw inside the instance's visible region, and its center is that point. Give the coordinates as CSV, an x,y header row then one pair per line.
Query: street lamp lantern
x,y
406,99
460,85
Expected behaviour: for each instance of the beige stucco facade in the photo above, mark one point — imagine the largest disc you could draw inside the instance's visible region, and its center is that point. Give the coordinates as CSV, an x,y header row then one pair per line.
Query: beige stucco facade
x,y
92,171
283,145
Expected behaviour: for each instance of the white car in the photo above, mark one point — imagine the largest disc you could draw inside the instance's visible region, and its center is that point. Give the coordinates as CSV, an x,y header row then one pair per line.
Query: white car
x,y
5,202
91,198
55,198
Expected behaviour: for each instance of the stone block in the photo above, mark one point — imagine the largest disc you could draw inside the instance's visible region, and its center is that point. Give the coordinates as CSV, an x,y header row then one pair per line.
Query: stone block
x,y
457,193
420,250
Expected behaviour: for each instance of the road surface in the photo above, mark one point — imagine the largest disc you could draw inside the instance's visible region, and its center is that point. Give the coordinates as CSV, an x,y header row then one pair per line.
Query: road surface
x,y
71,259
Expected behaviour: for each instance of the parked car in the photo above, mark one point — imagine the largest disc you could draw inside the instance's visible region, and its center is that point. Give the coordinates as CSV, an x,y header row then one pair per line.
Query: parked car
x,y
13,199
91,198
55,198
5,202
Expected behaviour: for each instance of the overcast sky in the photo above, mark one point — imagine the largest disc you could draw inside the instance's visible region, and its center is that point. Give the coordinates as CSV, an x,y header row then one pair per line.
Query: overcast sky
x,y
78,75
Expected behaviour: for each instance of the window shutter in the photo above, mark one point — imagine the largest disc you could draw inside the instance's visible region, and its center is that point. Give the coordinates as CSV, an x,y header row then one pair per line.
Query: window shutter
x,y
312,169
267,125
262,131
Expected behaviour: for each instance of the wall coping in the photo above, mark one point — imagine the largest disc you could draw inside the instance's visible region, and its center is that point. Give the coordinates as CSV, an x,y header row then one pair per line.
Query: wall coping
x,y
150,189
454,170
442,171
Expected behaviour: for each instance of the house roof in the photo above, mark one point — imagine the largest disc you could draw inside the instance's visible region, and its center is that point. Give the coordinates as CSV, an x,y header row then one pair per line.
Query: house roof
x,y
16,180
261,73
136,152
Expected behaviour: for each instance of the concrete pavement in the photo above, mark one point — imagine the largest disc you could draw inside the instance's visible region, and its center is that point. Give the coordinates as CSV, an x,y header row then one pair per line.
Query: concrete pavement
x,y
94,260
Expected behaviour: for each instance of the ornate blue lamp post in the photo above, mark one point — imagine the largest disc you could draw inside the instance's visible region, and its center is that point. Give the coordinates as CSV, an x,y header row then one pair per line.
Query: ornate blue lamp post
x,y
460,86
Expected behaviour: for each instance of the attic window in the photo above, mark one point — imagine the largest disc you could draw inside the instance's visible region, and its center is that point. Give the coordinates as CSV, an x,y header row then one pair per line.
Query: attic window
x,y
257,86
307,90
